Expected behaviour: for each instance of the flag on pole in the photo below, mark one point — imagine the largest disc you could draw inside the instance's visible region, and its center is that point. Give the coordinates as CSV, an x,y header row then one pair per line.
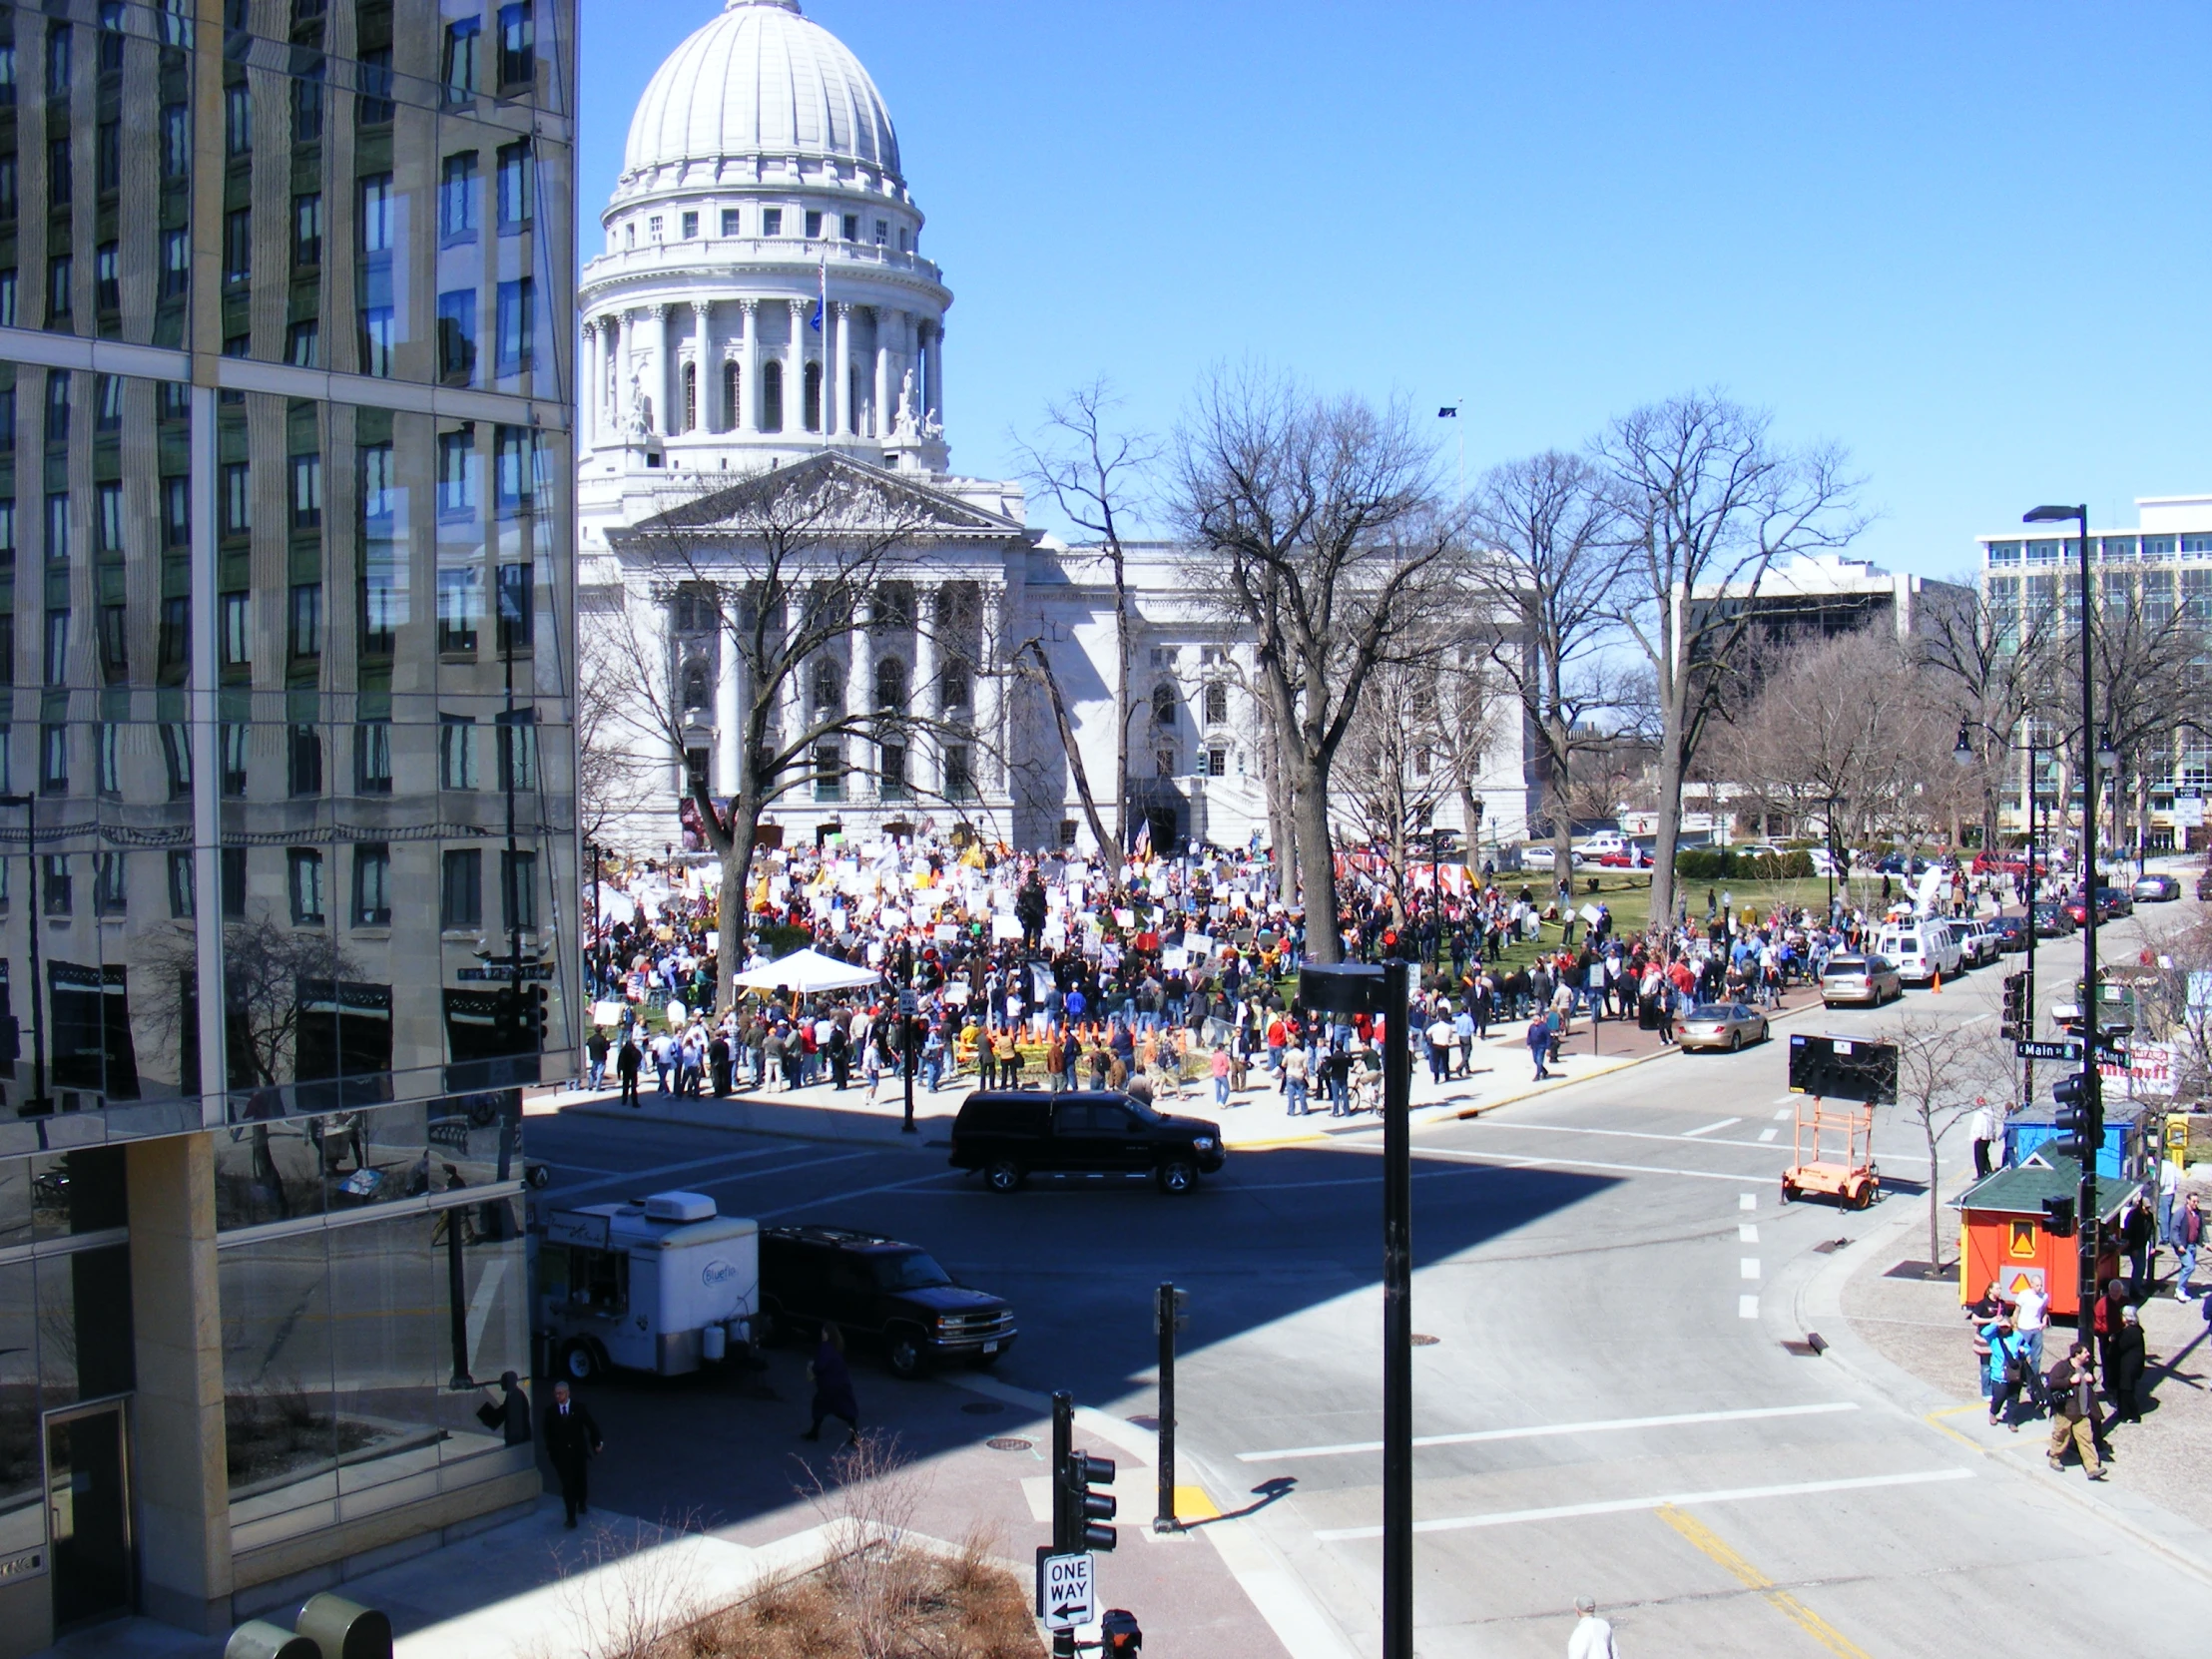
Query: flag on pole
x,y
822,299
1143,845
1450,411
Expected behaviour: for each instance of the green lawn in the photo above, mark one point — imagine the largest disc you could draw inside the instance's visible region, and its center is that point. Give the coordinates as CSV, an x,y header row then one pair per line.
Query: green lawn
x,y
1628,897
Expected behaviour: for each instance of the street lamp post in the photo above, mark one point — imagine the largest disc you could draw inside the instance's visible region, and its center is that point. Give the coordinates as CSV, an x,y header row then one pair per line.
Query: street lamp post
x,y
2093,1021
36,1102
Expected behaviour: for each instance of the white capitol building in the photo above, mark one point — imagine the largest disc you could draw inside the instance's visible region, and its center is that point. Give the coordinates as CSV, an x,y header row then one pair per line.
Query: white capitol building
x,y
763,301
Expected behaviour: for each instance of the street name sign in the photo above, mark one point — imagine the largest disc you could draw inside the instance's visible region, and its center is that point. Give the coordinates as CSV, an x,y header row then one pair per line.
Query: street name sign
x,y
1068,1600
2030,1050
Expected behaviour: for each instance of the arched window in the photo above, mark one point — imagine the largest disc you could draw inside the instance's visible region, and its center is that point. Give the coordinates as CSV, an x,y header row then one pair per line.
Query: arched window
x,y
772,397
813,398
730,386
691,398
829,689
1163,706
890,684
695,685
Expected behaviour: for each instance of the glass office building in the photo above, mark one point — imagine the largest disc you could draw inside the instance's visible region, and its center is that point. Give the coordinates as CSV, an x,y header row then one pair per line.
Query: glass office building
x,y
286,818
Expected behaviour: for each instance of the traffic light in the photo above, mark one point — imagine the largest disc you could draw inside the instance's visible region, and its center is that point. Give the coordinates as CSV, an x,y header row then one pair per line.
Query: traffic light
x,y
2075,1118
2058,1216
1087,1507
506,1020
537,1019
2013,1022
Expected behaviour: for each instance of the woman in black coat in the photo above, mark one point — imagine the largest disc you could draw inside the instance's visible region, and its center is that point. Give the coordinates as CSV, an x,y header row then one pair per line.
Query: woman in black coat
x,y
2124,1368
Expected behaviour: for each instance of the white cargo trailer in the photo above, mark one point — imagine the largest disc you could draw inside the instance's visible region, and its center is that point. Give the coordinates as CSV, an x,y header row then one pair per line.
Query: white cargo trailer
x,y
661,1286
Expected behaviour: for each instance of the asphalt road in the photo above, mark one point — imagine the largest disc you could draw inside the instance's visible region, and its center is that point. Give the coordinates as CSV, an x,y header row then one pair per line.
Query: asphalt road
x,y
1608,1407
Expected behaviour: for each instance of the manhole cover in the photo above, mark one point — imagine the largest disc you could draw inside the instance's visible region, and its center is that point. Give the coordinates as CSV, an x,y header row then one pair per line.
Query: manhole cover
x,y
982,1407
1007,1442
1421,1340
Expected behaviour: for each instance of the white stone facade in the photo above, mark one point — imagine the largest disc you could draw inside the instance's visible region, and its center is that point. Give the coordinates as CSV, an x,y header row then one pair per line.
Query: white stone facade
x,y
762,302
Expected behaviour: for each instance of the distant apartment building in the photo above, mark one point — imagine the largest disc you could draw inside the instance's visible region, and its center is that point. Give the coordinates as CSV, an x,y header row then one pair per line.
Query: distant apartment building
x,y
1824,595
2162,562
286,295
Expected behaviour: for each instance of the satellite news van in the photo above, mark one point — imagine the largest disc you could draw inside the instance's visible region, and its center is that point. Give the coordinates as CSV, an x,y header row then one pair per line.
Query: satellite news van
x,y
663,1284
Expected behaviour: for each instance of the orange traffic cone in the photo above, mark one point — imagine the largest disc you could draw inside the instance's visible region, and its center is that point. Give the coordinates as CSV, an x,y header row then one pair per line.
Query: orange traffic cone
x,y
1938,987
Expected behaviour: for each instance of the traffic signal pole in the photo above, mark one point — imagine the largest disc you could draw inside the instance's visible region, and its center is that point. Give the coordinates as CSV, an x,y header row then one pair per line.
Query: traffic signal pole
x,y
1398,1316
2092,1003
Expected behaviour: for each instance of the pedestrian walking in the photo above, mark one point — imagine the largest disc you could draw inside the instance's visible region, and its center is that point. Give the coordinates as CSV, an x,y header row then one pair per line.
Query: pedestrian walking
x,y
1220,1069
2188,1234
595,1058
2073,1396
572,1442
2009,1371
2106,1321
2138,1238
1538,1038
1593,1637
832,1381
626,1063
2130,1355
2031,1317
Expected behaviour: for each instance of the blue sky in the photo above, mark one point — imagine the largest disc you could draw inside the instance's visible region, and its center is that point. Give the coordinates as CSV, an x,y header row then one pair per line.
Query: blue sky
x,y
1967,242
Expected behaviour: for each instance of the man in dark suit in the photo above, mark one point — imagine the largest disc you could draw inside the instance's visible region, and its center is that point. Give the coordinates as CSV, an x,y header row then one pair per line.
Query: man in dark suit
x,y
572,1440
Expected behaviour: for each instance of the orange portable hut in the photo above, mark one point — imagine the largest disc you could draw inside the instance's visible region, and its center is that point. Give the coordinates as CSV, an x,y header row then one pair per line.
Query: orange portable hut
x,y
2006,1236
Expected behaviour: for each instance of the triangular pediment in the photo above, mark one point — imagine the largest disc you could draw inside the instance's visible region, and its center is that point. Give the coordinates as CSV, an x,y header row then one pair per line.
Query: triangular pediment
x,y
824,494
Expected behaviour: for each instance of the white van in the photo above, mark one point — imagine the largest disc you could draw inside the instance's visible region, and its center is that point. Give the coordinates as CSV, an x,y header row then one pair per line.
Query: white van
x,y
1920,949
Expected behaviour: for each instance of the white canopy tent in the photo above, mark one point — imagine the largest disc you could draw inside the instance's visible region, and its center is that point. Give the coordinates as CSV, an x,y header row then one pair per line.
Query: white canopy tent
x,y
808,971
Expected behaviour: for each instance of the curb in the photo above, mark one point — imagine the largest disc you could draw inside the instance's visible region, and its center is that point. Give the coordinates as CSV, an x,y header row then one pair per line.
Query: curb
x,y
1814,1295
894,1137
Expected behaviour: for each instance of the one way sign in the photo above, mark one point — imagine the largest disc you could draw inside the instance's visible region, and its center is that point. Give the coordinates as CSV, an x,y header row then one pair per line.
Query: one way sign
x,y
1067,1583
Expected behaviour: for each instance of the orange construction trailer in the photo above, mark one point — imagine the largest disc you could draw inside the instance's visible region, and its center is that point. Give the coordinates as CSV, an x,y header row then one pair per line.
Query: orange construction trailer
x,y
2006,1239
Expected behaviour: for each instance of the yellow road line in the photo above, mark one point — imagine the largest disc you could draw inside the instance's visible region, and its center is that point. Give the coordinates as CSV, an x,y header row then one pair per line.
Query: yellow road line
x,y
1709,1543
1932,1419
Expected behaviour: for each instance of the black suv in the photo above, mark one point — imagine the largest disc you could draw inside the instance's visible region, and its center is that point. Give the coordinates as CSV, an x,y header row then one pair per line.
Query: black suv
x,y
1008,1133
879,1290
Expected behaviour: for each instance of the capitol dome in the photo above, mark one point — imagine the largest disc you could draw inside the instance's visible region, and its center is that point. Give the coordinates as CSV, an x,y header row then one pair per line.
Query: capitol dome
x,y
761,79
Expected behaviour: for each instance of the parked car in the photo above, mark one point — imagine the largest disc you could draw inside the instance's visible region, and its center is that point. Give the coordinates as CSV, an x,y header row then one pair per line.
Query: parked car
x,y
2052,920
1596,846
881,1292
2157,889
1978,942
1870,980
1727,1025
2012,932
1895,864
1012,1134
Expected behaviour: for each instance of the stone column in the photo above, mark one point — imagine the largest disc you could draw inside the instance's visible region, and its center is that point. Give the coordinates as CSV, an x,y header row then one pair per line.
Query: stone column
x,y
990,702
859,688
726,713
587,378
794,370
847,426
749,366
665,383
625,365
932,372
922,690
182,1487
882,373
705,363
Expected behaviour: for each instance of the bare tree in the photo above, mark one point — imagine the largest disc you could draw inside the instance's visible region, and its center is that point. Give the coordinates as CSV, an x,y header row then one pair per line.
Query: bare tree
x,y
1392,777
1944,1072
1991,672
1094,475
1320,533
1552,568
613,770
265,963
775,573
1707,500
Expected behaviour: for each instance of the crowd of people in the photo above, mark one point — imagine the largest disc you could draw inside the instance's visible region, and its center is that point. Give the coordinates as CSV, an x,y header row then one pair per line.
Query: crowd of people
x,y
2107,1363
1170,974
